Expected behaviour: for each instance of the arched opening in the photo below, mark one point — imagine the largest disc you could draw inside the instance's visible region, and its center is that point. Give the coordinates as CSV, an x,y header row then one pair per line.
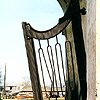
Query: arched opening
x,y
72,14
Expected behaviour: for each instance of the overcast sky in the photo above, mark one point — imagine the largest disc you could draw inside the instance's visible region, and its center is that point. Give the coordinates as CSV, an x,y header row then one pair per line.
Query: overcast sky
x,y
41,15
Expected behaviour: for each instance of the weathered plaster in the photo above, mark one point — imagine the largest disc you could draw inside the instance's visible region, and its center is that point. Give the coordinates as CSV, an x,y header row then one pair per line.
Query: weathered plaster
x,y
89,32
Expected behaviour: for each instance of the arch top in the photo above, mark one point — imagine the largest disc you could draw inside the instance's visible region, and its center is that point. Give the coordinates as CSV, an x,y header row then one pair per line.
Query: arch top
x,y
71,11
33,33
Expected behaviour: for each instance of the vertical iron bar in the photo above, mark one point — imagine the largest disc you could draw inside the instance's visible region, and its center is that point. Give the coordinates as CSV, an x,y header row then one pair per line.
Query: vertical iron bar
x,y
61,59
58,64
42,70
45,62
48,46
52,64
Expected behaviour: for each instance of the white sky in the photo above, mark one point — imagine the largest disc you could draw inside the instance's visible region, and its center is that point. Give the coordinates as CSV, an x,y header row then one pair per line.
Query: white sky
x,y
40,14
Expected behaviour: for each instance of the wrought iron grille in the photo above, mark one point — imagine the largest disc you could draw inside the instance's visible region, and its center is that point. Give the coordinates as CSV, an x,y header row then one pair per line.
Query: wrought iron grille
x,y
45,64
51,70
51,62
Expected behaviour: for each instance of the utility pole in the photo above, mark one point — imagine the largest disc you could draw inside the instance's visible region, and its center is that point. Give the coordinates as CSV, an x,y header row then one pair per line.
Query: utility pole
x,y
4,91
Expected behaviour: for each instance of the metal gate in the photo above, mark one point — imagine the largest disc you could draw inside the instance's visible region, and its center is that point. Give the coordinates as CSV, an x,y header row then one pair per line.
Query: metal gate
x,y
48,55
50,72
